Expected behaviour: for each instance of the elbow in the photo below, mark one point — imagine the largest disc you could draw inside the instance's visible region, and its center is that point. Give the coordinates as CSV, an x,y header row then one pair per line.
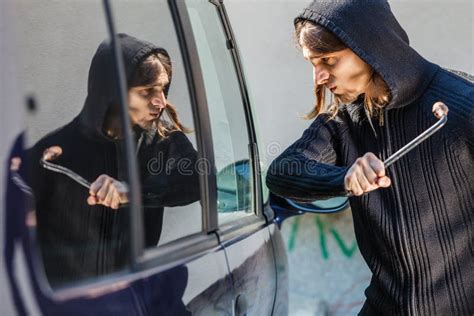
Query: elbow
x,y
271,182
273,174
278,177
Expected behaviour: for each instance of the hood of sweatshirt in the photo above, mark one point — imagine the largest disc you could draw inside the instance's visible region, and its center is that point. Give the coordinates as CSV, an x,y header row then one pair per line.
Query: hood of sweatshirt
x,y
102,87
370,30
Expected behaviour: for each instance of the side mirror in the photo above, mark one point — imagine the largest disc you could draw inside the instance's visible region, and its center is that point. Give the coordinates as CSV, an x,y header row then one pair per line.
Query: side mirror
x,y
285,208
234,194
234,190
332,205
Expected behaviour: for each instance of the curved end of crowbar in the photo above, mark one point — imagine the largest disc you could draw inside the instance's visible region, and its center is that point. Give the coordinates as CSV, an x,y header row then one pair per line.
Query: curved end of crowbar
x,y
52,153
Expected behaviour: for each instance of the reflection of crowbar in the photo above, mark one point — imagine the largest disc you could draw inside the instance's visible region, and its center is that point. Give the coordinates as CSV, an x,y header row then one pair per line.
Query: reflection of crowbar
x,y
54,152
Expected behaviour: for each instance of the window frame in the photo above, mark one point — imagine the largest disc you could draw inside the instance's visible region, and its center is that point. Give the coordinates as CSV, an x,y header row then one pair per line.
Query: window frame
x,y
196,244
248,225
253,145
237,228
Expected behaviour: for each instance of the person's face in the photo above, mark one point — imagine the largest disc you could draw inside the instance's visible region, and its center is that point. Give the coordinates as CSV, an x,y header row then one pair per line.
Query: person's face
x,y
145,103
342,72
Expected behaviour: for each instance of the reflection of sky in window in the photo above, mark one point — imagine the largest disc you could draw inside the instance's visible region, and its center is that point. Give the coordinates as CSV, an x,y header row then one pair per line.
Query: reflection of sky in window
x,y
151,20
219,123
53,62
226,110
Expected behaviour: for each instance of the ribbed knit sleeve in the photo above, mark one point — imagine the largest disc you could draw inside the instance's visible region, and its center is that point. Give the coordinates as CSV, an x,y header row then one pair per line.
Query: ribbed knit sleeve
x,y
307,171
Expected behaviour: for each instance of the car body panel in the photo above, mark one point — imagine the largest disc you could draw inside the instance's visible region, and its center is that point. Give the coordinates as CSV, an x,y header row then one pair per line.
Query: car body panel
x,y
252,264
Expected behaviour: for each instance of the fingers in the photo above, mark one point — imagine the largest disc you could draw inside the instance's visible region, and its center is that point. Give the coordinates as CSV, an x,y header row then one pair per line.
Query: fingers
x,y
108,192
109,197
104,189
97,184
115,203
353,185
375,164
369,170
365,175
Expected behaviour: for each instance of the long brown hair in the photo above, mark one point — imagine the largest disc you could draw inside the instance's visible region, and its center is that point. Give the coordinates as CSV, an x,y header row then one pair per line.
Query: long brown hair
x,y
146,73
319,40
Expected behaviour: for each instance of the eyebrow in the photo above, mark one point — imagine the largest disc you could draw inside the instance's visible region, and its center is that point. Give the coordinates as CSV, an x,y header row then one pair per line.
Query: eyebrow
x,y
322,55
160,83
315,56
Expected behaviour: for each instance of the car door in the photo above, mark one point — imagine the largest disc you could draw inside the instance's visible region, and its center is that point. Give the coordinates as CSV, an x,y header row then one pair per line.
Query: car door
x,y
186,272
243,227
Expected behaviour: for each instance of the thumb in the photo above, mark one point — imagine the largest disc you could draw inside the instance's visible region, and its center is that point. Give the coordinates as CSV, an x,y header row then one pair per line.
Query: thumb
x,y
91,200
384,182
123,192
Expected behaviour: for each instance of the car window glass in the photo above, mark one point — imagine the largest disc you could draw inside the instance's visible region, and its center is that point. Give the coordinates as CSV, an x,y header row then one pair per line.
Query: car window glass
x,y
167,148
228,122
68,146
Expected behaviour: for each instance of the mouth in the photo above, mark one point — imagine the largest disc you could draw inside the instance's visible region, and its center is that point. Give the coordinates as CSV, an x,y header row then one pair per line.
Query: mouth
x,y
156,114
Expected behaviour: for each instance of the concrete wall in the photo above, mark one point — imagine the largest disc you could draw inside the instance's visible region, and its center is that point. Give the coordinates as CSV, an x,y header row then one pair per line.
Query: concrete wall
x,y
280,79
327,272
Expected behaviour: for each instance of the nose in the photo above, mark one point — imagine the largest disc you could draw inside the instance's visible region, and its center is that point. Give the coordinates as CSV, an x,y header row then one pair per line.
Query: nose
x,y
320,75
159,101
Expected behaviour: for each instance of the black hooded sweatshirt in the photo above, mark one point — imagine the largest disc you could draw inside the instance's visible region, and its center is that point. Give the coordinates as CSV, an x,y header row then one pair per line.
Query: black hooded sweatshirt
x,y
77,240
417,235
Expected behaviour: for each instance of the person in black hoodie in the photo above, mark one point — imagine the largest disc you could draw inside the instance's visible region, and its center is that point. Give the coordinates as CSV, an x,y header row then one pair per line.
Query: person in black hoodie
x,y
414,220
84,232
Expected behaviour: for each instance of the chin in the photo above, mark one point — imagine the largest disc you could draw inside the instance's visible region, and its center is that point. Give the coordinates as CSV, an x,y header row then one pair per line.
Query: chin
x,y
147,125
348,98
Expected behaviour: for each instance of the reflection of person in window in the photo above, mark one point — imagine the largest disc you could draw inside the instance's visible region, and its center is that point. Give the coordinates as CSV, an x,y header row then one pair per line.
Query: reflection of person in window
x,y
84,233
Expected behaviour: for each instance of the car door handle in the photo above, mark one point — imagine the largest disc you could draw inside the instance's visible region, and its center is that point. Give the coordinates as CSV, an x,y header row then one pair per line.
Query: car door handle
x,y
241,305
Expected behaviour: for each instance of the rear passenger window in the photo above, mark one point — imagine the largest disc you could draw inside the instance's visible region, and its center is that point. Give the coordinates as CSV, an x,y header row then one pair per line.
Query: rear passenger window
x,y
68,143
227,115
77,167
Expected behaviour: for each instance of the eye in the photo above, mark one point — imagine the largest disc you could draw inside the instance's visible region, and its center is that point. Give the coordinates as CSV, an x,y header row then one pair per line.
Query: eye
x,y
330,61
146,93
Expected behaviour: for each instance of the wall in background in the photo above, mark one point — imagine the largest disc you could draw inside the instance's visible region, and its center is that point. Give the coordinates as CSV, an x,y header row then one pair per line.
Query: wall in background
x,y
280,80
327,273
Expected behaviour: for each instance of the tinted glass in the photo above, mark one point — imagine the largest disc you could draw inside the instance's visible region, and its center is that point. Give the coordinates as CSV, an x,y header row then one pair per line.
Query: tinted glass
x,y
69,146
167,149
228,122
